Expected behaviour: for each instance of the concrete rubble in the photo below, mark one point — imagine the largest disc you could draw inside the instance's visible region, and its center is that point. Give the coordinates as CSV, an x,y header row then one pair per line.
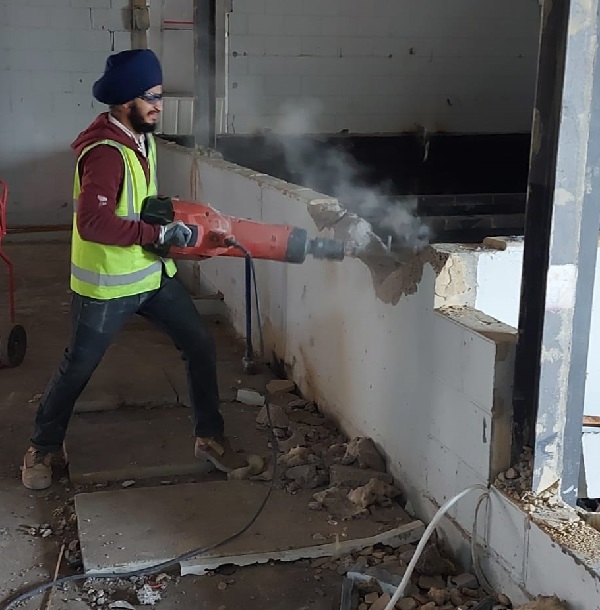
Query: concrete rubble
x,y
566,525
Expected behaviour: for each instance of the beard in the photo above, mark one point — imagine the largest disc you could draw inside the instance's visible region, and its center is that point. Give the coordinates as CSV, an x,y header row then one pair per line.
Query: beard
x,y
138,123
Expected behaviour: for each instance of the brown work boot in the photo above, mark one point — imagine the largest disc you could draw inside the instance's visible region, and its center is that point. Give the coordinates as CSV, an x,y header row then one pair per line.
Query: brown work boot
x,y
36,472
220,453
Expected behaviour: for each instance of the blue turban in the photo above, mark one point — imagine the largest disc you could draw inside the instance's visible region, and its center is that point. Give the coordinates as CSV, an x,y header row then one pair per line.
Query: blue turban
x,y
126,76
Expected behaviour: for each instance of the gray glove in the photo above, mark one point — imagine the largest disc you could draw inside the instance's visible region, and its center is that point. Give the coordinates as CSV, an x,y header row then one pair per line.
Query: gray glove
x,y
175,234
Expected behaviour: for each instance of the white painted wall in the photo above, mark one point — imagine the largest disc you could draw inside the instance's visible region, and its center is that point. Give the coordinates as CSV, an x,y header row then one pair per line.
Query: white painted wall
x,y
418,382
386,66
51,51
499,293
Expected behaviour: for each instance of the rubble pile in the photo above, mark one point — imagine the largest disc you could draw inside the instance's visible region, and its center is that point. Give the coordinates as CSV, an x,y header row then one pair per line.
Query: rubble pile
x,y
313,454
518,479
377,571
566,525
124,592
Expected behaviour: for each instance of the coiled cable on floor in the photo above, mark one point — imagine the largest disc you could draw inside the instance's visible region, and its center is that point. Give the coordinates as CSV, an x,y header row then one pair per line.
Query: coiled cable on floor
x,y
165,565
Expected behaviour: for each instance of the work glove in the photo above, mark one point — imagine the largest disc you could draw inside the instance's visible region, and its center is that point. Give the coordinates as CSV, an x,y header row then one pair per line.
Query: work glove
x,y
175,234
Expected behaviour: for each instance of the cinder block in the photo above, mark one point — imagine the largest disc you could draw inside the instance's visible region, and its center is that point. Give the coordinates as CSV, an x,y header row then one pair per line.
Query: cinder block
x,y
265,25
28,16
479,361
237,24
21,59
121,41
110,19
301,25
321,46
284,7
71,18
91,3
283,45
84,61
339,26
322,7
507,532
454,419
247,45
283,85
250,7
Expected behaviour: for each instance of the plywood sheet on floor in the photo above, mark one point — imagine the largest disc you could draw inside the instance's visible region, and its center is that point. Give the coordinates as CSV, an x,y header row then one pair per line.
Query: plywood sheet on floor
x,y
145,443
133,528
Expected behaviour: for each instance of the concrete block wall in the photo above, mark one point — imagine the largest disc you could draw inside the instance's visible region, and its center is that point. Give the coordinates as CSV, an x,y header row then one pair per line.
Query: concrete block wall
x,y
51,51
460,66
432,388
490,281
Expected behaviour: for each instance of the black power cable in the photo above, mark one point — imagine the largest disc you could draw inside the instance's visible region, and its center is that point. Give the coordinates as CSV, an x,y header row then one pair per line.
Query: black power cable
x,y
165,565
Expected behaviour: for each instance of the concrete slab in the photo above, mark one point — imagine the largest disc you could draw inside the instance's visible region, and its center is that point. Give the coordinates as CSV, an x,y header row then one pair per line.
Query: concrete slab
x,y
145,443
133,528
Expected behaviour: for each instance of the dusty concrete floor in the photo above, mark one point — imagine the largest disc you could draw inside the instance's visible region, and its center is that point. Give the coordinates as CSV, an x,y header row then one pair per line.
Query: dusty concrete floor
x,y
43,306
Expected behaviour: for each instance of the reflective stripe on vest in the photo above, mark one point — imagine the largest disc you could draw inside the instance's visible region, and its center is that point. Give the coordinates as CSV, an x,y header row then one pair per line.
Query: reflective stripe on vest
x,y
101,279
103,271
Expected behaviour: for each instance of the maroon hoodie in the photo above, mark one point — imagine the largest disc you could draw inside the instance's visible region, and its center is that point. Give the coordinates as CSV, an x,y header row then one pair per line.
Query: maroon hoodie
x,y
101,172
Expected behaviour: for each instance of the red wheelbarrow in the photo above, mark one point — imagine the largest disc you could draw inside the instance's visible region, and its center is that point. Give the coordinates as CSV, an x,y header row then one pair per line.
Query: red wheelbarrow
x,y
13,338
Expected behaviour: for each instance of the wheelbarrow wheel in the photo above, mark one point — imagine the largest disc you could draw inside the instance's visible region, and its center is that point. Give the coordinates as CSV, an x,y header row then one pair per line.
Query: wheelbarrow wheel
x,y
13,345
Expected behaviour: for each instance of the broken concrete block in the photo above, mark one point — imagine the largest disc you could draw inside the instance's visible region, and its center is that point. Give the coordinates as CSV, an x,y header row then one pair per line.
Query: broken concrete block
x,y
306,477
280,386
250,397
371,598
278,417
363,451
545,603
382,602
336,502
375,492
463,581
256,465
407,603
298,456
351,476
298,439
284,399
432,563
439,596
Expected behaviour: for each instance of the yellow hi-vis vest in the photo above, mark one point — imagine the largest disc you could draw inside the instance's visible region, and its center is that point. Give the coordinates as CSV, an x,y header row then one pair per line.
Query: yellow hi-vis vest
x,y
99,271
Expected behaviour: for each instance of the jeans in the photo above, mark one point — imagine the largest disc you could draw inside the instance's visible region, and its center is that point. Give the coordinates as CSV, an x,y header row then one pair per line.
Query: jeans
x,y
94,326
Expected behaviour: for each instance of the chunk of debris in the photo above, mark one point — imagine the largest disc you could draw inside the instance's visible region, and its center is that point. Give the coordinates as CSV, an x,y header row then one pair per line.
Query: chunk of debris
x,y
147,596
363,451
439,596
279,417
432,562
335,501
407,603
280,386
374,492
306,477
381,602
463,581
250,397
298,456
371,598
545,603
351,476
283,399
298,439
121,603
256,465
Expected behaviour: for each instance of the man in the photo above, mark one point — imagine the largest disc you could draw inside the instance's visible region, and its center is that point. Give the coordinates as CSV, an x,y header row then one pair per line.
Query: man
x,y
113,276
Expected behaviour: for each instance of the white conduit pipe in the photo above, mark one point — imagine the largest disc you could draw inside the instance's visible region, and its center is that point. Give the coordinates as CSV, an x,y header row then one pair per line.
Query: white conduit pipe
x,y
426,535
